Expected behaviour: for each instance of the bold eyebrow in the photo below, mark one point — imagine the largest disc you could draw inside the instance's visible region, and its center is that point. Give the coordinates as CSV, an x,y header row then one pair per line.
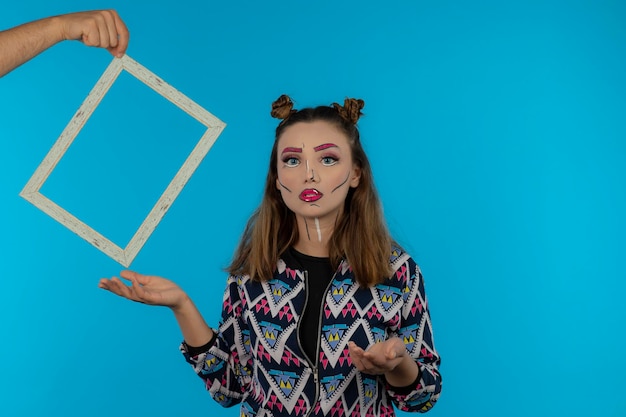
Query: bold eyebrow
x,y
296,150
325,146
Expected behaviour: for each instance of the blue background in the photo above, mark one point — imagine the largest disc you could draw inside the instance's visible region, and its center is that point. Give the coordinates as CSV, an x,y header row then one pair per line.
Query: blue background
x,y
497,137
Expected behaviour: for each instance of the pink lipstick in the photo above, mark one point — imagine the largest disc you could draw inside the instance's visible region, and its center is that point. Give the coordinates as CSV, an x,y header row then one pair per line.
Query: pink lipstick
x,y
310,195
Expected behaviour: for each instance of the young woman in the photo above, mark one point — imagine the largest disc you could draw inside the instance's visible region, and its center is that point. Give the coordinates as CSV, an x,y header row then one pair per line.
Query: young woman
x,y
323,313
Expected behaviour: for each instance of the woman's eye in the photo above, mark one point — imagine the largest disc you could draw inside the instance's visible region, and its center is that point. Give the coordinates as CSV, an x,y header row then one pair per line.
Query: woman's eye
x,y
329,160
291,161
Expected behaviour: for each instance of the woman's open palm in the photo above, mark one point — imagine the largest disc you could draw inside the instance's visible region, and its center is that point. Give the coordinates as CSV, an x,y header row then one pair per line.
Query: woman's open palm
x,y
145,289
380,357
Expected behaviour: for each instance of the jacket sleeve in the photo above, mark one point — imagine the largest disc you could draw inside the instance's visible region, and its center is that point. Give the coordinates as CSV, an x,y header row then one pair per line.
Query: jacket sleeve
x,y
416,332
225,363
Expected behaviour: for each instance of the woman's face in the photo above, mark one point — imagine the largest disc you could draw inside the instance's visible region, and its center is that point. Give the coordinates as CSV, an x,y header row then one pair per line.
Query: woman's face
x,y
315,169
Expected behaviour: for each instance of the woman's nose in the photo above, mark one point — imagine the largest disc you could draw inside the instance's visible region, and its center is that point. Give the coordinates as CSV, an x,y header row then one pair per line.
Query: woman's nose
x,y
310,173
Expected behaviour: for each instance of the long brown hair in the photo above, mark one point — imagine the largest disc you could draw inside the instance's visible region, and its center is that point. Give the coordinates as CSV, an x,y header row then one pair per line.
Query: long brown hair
x,y
360,236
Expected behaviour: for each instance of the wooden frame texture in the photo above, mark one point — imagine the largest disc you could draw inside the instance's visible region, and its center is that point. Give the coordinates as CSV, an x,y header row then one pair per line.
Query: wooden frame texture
x,y
126,255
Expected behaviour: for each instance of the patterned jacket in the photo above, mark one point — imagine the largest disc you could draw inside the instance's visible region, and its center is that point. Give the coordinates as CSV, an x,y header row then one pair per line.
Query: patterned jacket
x,y
257,360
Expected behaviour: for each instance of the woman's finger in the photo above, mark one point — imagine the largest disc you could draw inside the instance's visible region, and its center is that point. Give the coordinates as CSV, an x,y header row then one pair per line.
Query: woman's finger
x,y
123,289
140,292
119,288
132,275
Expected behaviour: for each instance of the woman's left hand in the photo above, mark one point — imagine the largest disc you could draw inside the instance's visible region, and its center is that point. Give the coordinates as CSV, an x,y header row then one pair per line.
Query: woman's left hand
x,y
379,358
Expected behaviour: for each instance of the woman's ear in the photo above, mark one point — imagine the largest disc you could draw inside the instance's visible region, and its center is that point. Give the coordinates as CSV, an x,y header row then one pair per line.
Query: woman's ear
x,y
355,177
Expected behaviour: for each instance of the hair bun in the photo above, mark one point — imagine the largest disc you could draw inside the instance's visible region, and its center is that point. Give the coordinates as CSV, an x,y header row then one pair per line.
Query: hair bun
x,y
351,109
282,108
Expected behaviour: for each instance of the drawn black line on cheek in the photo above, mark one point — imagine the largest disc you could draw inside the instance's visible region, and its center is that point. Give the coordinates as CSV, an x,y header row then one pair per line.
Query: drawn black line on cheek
x,y
283,185
339,186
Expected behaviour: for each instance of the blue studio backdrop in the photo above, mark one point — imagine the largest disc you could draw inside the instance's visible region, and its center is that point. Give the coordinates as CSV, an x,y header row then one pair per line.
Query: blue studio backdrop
x,y
496,134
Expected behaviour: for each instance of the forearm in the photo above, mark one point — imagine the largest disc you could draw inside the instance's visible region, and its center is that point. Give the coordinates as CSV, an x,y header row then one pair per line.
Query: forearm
x,y
19,44
195,330
404,374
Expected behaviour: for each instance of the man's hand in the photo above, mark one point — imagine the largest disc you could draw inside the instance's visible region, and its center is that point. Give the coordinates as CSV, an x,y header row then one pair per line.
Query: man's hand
x,y
100,28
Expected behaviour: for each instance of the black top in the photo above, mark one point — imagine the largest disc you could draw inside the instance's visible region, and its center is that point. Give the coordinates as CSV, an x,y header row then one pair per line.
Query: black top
x,y
319,275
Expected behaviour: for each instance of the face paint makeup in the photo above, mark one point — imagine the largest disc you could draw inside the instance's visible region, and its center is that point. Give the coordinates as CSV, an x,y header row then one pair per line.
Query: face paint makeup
x,y
339,186
306,225
327,162
319,232
291,150
310,195
283,185
324,146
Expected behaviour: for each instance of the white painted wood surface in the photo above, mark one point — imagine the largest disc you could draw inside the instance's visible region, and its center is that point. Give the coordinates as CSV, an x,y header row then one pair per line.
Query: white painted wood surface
x,y
126,255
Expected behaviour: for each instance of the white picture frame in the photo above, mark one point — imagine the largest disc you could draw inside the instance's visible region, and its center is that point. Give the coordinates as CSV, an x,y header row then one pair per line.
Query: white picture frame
x,y
124,256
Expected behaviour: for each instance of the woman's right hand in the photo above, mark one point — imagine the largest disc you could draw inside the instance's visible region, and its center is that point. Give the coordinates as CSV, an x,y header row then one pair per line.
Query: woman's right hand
x,y
146,289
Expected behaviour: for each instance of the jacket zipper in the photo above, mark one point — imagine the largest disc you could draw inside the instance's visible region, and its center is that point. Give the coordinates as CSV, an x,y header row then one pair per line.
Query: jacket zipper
x,y
319,336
